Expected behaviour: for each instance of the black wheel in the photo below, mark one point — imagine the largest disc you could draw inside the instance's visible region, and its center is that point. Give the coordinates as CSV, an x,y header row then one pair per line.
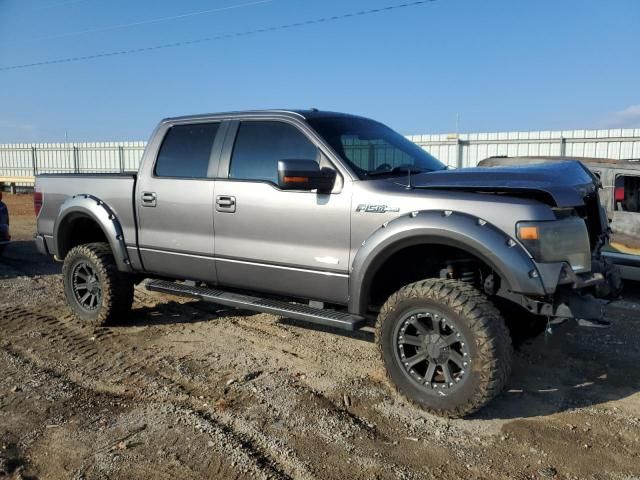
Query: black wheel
x,y
96,291
445,346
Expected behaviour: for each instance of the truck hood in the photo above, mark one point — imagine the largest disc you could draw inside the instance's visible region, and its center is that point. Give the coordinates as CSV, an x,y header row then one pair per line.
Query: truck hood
x,y
562,184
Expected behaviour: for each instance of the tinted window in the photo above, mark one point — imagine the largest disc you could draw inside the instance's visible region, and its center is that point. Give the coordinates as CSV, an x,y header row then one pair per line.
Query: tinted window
x,y
373,149
260,145
627,193
373,154
185,151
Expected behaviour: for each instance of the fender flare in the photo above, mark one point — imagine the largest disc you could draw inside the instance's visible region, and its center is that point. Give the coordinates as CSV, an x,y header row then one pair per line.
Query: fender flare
x,y
94,208
483,240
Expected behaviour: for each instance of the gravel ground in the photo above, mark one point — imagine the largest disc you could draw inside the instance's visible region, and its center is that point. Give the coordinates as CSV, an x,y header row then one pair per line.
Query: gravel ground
x,y
185,389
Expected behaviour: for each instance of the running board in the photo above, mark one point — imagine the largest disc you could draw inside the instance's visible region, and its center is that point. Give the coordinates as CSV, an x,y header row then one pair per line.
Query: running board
x,y
331,318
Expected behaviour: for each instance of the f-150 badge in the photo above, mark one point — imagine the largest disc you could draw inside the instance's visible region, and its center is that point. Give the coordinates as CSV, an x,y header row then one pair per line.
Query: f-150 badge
x,y
363,207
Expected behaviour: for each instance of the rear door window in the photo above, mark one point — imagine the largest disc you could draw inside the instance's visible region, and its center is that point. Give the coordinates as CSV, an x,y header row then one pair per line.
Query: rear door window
x,y
627,193
186,150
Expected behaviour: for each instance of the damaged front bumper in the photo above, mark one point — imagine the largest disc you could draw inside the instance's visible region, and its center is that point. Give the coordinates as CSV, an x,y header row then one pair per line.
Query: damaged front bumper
x,y
582,297
571,295
568,303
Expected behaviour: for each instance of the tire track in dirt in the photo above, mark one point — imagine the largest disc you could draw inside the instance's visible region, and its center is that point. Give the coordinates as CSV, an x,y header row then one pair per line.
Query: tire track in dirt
x,y
232,450
89,364
103,360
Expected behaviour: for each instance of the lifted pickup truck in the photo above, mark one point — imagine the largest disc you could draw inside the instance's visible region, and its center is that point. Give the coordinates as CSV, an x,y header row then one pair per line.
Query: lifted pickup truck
x,y
338,220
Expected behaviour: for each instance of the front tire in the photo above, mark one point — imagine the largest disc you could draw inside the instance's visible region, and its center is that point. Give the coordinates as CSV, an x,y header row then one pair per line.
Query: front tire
x,y
445,346
97,292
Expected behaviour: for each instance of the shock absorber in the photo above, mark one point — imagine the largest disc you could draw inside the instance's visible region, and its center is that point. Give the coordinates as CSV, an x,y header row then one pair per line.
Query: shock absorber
x,y
459,270
468,276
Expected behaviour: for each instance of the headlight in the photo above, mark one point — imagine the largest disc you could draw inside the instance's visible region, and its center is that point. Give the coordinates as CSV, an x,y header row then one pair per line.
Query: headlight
x,y
565,240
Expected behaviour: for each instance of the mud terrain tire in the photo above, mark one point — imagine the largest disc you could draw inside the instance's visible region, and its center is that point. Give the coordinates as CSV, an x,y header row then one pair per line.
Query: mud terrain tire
x,y
443,322
90,271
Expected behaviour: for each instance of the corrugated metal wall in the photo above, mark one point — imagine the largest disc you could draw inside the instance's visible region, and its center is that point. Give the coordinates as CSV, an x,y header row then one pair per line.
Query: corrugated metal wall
x,y
464,150
467,149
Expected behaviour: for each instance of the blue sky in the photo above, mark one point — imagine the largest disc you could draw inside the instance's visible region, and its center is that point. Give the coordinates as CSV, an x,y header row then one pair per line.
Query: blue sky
x,y
497,64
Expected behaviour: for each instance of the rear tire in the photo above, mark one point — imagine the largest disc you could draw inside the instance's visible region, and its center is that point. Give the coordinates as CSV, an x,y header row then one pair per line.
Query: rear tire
x,y
97,292
445,346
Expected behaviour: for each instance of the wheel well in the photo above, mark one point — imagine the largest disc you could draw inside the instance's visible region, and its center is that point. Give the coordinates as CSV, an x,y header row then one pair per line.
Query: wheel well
x,y
78,229
418,262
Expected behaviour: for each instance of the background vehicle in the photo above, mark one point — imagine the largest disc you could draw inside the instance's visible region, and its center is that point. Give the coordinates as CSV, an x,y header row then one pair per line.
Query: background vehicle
x,y
338,220
5,237
620,196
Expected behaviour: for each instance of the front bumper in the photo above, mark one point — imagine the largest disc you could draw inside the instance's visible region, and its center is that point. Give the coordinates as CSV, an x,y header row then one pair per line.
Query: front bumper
x,y
570,303
579,296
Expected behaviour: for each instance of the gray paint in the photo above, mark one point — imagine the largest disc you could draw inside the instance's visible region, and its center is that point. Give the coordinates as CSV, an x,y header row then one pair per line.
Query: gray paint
x,y
305,244
624,246
114,191
467,232
100,213
566,183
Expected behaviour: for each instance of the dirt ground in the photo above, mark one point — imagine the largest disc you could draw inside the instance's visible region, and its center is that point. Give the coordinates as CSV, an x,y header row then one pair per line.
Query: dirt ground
x,y
185,389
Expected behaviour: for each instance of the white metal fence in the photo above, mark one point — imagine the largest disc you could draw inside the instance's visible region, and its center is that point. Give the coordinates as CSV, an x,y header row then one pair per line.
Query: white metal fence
x,y
467,149
464,150
28,160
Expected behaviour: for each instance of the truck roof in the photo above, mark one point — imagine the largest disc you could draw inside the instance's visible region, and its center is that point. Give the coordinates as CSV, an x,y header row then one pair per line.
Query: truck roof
x,y
304,114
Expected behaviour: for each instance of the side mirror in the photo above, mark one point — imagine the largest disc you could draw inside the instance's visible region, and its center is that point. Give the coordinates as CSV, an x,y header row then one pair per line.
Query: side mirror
x,y
305,175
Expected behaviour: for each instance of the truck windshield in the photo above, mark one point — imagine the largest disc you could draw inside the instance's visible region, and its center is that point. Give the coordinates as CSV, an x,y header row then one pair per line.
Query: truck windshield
x,y
373,149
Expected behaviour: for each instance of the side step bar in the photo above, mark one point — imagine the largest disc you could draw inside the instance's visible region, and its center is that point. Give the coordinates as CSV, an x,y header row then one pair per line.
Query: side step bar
x,y
331,318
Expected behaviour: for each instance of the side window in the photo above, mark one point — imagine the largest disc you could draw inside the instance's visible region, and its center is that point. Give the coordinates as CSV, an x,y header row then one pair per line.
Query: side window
x,y
627,193
185,151
260,145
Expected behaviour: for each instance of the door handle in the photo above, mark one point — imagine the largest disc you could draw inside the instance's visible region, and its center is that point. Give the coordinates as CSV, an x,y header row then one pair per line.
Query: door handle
x,y
149,199
225,203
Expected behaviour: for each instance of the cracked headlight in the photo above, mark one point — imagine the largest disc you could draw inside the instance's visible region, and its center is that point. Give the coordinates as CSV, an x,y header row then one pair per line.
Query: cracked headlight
x,y
565,240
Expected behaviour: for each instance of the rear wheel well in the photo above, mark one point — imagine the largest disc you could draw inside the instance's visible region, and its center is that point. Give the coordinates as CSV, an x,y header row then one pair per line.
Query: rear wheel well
x,y
78,229
418,262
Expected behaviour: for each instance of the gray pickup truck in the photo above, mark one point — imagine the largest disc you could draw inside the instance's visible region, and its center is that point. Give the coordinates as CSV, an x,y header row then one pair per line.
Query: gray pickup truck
x,y
338,220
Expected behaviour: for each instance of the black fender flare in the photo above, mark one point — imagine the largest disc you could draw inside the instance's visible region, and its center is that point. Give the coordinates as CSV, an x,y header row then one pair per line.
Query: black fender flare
x,y
485,241
94,208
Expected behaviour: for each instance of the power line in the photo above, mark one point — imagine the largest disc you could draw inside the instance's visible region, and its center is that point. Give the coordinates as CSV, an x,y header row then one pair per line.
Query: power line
x,y
245,33
139,23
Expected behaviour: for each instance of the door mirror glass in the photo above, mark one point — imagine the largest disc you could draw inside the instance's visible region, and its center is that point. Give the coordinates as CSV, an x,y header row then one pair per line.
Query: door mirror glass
x,y
305,175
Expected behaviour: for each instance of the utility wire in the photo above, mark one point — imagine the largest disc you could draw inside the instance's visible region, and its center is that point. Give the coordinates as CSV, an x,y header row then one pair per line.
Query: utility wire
x,y
245,33
141,22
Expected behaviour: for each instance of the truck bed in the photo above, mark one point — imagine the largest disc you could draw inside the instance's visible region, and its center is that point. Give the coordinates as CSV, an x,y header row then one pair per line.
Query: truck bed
x,y
116,190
